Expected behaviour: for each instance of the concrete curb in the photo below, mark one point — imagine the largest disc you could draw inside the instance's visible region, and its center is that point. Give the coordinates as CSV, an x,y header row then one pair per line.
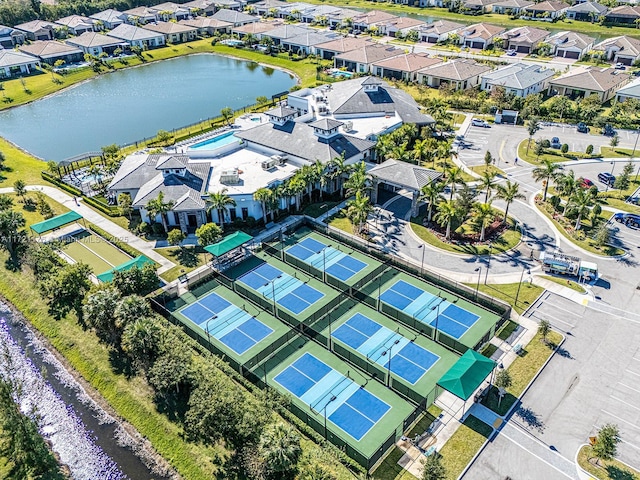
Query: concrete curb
x,y
582,473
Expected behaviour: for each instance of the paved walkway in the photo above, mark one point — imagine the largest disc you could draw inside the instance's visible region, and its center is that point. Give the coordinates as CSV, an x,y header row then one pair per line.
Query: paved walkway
x,y
122,234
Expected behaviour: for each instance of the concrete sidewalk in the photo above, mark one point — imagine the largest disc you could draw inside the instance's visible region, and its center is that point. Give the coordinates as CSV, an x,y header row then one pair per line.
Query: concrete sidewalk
x,y
102,222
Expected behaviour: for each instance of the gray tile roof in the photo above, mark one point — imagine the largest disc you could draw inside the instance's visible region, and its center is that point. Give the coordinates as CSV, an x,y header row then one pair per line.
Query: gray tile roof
x,y
172,161
410,62
299,140
370,53
624,45
631,90
570,39
309,39
518,76
326,123
36,25
167,28
74,21
484,31
94,39
49,48
439,27
189,201
547,6
525,35
234,17
109,15
514,4
588,7
459,69
10,58
288,31
404,174
131,32
281,111
349,98
593,79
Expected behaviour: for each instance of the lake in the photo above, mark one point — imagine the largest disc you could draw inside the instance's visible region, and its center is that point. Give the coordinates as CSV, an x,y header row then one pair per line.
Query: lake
x,y
135,103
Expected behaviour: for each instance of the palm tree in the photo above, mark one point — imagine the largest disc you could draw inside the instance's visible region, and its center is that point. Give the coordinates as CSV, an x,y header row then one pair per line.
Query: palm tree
x,y
158,206
509,192
358,211
532,127
399,152
454,177
337,169
483,213
220,201
20,189
487,182
264,196
295,187
280,449
444,152
431,193
547,171
580,203
359,180
420,149
320,174
447,213
141,341
567,183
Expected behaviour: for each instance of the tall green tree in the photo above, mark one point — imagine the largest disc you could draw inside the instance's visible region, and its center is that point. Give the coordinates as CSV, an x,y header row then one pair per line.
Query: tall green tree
x,y
124,205
141,341
624,179
432,194
6,202
157,206
220,202
129,309
99,311
453,177
533,126
546,172
544,327
136,281
20,189
567,183
432,468
265,197
607,440
487,182
359,180
208,234
13,237
446,215
280,448
337,170
483,215
503,381
509,192
579,204
227,114
358,210
175,237
66,290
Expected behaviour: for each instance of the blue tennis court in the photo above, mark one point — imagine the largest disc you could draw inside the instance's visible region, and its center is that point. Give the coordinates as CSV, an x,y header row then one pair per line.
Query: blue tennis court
x,y
386,347
324,257
224,321
328,392
429,309
290,292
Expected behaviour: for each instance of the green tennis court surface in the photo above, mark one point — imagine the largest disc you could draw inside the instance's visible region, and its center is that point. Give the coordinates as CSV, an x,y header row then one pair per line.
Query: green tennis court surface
x,y
93,250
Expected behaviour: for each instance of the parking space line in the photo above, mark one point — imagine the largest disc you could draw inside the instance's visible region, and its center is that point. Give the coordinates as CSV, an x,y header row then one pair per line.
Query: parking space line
x,y
551,317
537,456
632,373
626,403
621,419
627,386
635,447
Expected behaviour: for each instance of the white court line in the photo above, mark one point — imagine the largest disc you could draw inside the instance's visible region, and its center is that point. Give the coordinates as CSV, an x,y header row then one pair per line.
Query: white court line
x,y
621,419
538,457
626,403
627,386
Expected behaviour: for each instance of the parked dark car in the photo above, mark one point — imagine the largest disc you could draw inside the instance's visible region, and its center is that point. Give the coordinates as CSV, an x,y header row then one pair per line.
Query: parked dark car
x,y
629,219
582,128
608,130
607,178
634,200
555,142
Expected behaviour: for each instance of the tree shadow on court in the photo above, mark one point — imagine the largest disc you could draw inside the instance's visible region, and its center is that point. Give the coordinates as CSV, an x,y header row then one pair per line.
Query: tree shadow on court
x,y
530,418
616,473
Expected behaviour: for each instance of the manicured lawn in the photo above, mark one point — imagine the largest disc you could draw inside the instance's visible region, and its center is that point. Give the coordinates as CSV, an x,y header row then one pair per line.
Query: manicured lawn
x,y
507,329
532,158
463,445
507,292
19,166
480,169
32,216
610,469
506,241
316,209
522,371
608,152
187,260
341,222
565,283
585,240
489,350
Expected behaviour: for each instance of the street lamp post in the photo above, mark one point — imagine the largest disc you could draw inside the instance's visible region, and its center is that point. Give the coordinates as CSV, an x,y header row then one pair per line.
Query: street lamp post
x,y
479,270
206,327
486,275
324,264
422,261
437,309
519,285
633,154
389,363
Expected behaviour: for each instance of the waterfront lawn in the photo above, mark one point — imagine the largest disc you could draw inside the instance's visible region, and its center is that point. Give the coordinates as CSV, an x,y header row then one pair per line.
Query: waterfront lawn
x,y
19,165
610,469
507,292
31,215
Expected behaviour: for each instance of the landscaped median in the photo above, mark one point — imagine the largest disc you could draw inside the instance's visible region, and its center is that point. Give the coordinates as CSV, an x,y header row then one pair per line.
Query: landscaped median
x,y
607,469
554,155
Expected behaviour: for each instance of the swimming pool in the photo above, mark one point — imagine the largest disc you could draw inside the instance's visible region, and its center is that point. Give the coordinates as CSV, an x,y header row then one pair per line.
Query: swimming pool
x,y
215,142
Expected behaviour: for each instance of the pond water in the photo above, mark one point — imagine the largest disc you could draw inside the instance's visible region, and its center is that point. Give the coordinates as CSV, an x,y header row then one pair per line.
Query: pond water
x,y
132,104
85,437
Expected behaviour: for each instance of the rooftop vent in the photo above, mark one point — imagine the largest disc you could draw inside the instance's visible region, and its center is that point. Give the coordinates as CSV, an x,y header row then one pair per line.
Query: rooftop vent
x,y
230,177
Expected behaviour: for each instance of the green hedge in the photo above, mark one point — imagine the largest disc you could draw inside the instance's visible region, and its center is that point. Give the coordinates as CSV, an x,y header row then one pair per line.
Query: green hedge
x,y
60,184
106,209
129,250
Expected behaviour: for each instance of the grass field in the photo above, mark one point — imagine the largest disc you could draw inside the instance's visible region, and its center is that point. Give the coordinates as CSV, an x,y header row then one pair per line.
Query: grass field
x,y
609,469
565,283
507,292
32,216
534,159
463,445
96,252
187,260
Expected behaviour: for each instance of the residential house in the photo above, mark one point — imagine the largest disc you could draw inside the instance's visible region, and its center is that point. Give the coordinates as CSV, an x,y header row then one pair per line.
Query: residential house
x,y
518,79
523,39
631,90
511,7
624,49
404,67
286,31
235,18
343,18
328,50
460,73
78,24
292,11
570,44
174,32
480,35
478,6
587,81
362,59
137,36
10,37
141,16
38,30
318,14
624,14
110,18
171,11
204,8
305,42
399,24
257,29
587,12
237,5
438,31
15,64
50,51
268,7
548,10
370,20
207,27
94,43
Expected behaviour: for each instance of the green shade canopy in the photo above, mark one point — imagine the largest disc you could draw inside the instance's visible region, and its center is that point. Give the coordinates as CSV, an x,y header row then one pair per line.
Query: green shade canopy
x,y
228,243
55,222
467,374
138,262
